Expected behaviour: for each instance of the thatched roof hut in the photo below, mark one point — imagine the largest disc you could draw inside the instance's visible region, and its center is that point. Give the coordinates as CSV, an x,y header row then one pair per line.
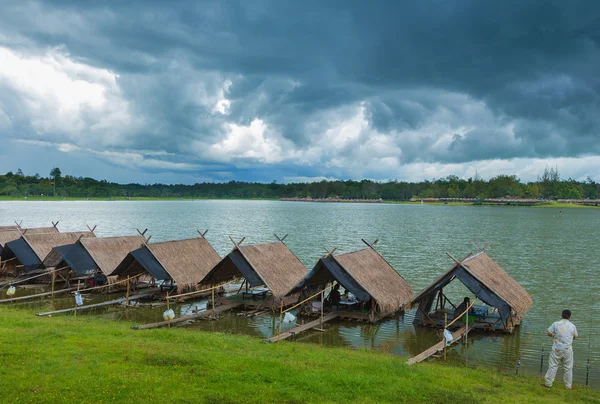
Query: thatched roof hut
x,y
487,281
365,274
272,265
31,249
91,255
11,233
182,262
7,236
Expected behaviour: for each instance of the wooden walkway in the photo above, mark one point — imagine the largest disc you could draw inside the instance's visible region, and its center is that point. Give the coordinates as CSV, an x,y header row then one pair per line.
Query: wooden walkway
x,y
303,327
205,313
458,334
91,306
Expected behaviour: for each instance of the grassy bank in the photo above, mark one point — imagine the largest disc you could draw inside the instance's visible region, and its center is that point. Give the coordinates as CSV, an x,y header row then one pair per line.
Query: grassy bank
x,y
86,359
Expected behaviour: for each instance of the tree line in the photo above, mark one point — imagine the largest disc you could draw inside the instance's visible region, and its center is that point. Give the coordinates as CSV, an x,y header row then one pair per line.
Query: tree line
x,y
548,185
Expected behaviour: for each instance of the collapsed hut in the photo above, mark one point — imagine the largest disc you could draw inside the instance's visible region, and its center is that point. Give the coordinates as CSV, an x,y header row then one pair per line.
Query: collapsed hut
x,y
180,263
373,288
91,259
29,250
507,301
268,271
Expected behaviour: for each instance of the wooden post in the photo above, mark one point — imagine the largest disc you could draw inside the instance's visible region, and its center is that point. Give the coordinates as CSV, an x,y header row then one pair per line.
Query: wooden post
x,y
75,315
213,303
443,336
322,304
127,295
53,279
168,308
280,319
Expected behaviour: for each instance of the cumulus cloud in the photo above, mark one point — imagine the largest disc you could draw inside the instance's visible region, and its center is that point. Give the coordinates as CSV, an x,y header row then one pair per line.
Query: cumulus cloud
x,y
276,90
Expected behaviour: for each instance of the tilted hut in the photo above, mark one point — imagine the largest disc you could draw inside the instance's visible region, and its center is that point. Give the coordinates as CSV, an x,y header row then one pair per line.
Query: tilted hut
x,y
490,284
272,267
31,249
180,263
92,258
379,290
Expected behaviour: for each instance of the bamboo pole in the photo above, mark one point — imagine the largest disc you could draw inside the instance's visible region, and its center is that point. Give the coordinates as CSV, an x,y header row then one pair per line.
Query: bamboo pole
x,y
213,303
322,304
307,299
53,279
443,336
127,295
280,320
168,308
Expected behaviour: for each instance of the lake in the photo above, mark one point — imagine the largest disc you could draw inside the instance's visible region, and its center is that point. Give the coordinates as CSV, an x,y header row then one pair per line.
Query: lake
x,y
554,256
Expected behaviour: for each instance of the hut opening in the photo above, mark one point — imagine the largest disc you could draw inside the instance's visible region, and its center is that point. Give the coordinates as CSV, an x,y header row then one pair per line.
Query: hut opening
x,y
29,250
91,259
506,301
268,272
177,264
372,288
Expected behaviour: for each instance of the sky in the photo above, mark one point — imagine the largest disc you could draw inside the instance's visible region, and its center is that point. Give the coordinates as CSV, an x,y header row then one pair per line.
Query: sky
x,y
210,91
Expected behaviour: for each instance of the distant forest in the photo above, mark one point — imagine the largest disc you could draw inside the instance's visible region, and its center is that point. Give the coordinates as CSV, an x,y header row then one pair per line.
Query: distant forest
x,y
548,185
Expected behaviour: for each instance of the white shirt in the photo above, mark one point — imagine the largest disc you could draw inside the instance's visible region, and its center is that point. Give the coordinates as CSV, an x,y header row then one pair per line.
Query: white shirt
x,y
564,332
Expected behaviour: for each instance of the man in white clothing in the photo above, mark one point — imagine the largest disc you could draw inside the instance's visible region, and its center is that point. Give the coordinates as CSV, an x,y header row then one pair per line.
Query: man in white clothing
x,y
563,332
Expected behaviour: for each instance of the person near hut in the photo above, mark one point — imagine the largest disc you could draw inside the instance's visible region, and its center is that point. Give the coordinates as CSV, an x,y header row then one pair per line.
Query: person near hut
x,y
462,307
334,297
563,332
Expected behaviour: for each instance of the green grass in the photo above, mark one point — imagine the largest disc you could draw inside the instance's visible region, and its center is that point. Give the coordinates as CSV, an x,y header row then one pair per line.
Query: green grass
x,y
90,360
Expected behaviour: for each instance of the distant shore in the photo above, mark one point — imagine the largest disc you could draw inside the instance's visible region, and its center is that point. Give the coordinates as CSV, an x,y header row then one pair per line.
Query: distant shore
x,y
561,203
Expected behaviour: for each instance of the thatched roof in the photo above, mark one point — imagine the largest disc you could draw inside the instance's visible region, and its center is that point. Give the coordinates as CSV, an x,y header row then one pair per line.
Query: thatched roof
x,y
108,252
7,228
489,274
273,265
8,236
42,244
186,261
387,287
40,230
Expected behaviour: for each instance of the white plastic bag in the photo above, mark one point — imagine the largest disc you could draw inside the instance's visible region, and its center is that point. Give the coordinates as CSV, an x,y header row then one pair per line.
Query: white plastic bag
x,y
11,291
169,315
78,299
448,337
289,318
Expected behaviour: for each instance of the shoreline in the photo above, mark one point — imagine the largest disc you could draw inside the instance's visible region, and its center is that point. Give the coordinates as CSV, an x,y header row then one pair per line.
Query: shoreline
x,y
575,204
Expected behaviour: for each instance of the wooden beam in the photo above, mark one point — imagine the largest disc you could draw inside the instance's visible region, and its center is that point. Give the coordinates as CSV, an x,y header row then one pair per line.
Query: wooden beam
x,y
37,295
205,313
458,334
303,327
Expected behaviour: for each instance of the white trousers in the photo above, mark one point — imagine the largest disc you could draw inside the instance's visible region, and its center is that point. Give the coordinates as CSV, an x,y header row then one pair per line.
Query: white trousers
x,y
556,357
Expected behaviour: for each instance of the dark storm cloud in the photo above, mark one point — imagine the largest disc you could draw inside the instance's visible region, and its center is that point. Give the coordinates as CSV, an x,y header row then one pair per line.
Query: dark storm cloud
x,y
518,78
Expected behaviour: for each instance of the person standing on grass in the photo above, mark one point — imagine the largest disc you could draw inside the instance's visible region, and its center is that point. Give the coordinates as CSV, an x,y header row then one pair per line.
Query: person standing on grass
x,y
563,332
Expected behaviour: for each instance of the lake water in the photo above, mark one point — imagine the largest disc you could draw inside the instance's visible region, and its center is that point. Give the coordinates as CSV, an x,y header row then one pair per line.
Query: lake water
x,y
554,256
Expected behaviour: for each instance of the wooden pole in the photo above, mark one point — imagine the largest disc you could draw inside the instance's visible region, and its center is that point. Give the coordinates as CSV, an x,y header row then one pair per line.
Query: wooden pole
x,y
280,320
213,303
75,315
322,304
168,308
53,279
443,336
127,295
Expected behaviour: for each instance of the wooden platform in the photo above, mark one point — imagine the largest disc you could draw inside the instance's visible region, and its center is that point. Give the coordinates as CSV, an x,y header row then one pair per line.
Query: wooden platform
x,y
303,327
205,313
457,335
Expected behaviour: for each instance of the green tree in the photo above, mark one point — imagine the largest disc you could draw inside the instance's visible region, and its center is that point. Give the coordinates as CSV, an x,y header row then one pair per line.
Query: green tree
x,y
55,174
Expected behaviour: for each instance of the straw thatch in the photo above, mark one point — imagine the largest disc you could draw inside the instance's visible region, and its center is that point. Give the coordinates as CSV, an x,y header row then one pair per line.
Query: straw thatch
x,y
8,228
276,265
371,271
42,244
482,267
187,261
40,230
108,252
491,275
8,236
